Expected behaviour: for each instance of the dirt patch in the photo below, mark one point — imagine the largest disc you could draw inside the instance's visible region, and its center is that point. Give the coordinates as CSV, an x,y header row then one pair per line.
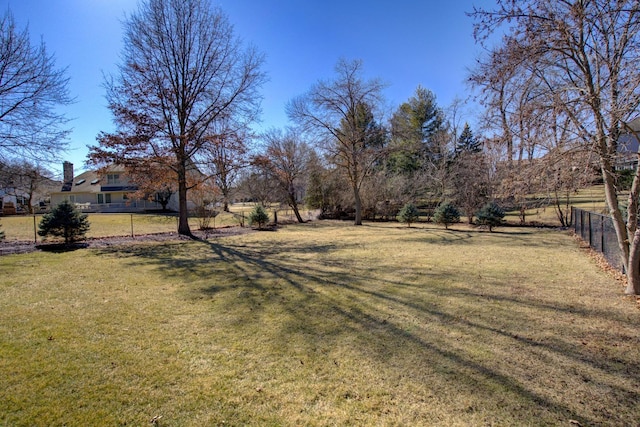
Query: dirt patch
x,y
21,247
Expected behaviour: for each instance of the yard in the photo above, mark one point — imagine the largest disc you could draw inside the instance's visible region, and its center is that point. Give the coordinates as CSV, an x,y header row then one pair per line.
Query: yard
x,y
320,324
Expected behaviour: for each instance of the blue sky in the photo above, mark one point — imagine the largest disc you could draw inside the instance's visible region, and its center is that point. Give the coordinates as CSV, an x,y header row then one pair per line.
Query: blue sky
x,y
406,43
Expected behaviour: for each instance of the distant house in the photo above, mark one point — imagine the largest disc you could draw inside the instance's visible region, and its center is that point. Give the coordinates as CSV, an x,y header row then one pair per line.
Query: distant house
x,y
628,146
109,191
16,195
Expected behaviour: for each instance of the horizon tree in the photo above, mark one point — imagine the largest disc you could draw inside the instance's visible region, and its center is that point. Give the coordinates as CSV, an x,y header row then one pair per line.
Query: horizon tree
x,y
183,72
583,56
467,142
224,158
414,126
32,90
344,114
286,158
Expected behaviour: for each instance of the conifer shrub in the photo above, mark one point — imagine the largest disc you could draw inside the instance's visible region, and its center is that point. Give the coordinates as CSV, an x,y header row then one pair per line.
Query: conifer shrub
x,y
258,216
446,214
491,215
64,221
408,214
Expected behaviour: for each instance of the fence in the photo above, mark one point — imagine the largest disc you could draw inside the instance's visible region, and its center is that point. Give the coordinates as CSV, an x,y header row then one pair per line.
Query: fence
x,y
598,231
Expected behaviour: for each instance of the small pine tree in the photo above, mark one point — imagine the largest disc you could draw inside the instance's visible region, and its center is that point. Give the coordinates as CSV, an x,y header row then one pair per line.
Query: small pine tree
x,y
64,221
446,214
258,216
409,214
490,215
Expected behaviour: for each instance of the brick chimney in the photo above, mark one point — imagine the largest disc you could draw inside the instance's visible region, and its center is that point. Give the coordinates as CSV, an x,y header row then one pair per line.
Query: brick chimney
x,y
67,172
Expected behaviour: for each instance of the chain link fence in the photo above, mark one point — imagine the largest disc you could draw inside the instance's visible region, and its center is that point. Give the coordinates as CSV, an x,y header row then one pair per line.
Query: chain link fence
x,y
597,230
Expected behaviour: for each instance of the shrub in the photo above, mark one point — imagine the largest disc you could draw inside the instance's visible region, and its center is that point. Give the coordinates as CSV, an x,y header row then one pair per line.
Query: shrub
x,y
490,215
409,213
446,214
258,216
64,221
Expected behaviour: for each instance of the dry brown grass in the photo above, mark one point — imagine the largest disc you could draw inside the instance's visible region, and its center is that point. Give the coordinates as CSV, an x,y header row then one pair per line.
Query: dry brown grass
x,y
320,324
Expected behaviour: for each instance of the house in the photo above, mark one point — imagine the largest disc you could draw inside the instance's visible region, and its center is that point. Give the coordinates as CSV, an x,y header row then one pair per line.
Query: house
x,y
19,190
628,146
108,191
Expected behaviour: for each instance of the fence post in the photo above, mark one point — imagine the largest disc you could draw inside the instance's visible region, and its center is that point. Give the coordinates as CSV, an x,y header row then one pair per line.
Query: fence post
x,y
590,228
602,234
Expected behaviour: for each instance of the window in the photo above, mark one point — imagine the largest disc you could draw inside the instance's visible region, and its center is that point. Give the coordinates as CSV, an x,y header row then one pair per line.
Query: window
x,y
113,179
107,198
100,198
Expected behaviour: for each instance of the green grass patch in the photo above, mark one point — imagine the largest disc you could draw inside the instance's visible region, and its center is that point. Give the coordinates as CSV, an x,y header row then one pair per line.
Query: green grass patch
x,y
320,324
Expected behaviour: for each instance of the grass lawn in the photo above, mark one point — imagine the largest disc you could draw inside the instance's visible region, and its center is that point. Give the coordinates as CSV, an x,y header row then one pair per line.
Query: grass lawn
x,y
320,324
111,224
590,199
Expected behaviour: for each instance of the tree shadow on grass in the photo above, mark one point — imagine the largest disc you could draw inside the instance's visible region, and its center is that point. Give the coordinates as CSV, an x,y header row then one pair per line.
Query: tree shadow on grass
x,y
61,247
372,311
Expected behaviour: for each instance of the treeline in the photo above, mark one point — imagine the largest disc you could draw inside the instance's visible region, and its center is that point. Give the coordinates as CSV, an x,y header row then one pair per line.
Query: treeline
x,y
347,160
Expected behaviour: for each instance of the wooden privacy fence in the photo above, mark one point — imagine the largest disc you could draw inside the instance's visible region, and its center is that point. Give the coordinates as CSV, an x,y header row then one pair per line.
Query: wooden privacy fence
x,y
597,230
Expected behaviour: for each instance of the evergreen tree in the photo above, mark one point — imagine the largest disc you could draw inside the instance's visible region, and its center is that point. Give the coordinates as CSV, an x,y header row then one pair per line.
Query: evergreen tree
x,y
467,142
64,221
446,214
490,215
258,216
409,214
413,128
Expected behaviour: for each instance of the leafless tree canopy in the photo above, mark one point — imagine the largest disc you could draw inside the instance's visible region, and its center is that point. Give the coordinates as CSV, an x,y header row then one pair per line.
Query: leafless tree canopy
x,y
183,71
570,63
31,91
343,113
286,159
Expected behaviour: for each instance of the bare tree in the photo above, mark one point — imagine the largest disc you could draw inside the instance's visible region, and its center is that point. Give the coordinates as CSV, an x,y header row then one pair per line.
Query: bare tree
x,y
286,158
344,114
584,56
182,72
224,158
31,91
470,182
26,181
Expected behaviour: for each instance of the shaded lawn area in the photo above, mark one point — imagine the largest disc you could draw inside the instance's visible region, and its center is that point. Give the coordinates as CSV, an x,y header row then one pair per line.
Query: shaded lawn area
x,y
320,324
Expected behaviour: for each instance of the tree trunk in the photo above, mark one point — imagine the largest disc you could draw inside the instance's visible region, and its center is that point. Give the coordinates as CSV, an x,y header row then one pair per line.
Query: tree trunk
x,y
183,212
296,211
633,273
616,216
356,195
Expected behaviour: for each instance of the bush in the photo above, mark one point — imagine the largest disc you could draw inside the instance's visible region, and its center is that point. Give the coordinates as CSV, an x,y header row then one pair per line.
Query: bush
x,y
64,221
409,213
490,215
446,214
258,216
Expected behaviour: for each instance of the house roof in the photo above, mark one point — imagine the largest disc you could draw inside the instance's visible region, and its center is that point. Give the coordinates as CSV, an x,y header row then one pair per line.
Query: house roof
x,y
92,182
